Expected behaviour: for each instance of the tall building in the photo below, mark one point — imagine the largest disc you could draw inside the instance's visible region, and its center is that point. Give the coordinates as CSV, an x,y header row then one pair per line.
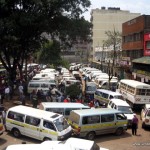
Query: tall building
x,y
107,20
136,48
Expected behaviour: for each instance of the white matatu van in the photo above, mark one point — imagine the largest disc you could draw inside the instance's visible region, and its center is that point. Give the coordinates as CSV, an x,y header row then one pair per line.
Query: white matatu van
x,y
90,122
69,144
61,108
38,124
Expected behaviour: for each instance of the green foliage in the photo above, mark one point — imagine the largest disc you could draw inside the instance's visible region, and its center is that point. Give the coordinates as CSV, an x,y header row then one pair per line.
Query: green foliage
x,y
73,91
24,22
50,53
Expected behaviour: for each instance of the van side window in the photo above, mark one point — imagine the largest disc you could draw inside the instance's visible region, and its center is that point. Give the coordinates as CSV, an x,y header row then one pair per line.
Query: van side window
x,y
96,93
16,116
32,121
90,119
49,125
105,95
111,97
148,113
107,118
115,107
56,110
120,116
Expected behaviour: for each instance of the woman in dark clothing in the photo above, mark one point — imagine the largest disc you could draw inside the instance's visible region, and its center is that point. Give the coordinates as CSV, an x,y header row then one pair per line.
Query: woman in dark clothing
x,y
134,125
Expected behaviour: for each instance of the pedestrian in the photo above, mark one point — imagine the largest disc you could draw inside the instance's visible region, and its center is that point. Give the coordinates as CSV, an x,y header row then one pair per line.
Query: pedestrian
x,y
4,117
134,125
22,99
7,93
20,88
34,99
96,103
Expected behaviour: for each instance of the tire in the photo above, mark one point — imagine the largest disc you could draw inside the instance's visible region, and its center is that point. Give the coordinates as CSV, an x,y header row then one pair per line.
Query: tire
x,y
90,136
119,131
16,133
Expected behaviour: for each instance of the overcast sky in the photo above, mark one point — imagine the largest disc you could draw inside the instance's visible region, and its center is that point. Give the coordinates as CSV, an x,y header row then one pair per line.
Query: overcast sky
x,y
134,6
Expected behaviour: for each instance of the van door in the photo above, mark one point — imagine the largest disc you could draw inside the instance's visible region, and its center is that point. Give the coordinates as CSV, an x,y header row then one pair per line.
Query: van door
x,y
108,124
32,127
48,130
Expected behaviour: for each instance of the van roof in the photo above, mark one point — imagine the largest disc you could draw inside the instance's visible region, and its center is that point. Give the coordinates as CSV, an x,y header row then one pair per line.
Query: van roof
x,y
120,102
95,111
35,112
108,91
63,105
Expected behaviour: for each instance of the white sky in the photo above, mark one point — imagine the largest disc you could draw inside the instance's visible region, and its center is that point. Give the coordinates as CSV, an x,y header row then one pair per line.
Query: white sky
x,y
134,6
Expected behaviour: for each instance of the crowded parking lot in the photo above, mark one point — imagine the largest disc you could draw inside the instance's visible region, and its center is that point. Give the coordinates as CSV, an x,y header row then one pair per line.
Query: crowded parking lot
x,y
109,141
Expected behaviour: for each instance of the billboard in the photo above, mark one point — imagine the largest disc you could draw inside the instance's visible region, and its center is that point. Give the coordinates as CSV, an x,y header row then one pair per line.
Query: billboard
x,y
147,44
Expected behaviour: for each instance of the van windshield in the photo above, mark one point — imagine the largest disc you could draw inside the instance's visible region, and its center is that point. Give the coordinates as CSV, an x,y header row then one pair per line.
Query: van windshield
x,y
125,109
61,124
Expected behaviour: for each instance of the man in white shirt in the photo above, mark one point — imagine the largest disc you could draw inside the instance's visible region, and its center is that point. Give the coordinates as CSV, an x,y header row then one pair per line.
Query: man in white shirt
x,y
20,88
7,93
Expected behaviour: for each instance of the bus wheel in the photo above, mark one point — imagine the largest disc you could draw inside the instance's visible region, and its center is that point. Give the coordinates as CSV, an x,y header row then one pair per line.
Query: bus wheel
x,y
90,135
119,131
16,133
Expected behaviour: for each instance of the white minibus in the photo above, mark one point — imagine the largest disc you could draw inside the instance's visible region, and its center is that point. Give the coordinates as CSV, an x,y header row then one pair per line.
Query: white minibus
x,y
61,108
103,96
90,122
124,107
37,124
134,92
34,85
69,144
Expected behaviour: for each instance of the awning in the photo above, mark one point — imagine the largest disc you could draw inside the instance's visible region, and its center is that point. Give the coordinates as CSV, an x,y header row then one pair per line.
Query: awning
x,y
142,60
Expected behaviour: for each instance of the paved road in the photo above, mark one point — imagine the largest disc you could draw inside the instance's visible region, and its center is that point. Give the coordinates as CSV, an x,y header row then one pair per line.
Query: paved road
x,y
110,141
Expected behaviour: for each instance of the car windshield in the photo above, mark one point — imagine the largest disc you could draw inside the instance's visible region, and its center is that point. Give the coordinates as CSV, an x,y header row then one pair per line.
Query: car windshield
x,y
61,124
125,109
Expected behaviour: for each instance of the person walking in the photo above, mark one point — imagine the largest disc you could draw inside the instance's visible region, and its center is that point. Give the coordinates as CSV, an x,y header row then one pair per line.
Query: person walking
x,y
34,99
134,125
7,93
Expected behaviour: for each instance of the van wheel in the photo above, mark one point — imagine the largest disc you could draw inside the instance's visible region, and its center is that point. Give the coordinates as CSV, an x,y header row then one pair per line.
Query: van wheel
x,y
16,133
119,131
90,136
47,139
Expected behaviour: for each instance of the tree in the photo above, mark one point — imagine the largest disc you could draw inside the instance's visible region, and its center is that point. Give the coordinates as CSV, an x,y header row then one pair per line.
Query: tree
x,y
114,39
73,91
50,53
23,22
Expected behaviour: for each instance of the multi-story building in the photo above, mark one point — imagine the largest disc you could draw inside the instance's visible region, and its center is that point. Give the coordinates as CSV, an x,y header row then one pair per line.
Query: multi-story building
x,y
107,20
136,48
